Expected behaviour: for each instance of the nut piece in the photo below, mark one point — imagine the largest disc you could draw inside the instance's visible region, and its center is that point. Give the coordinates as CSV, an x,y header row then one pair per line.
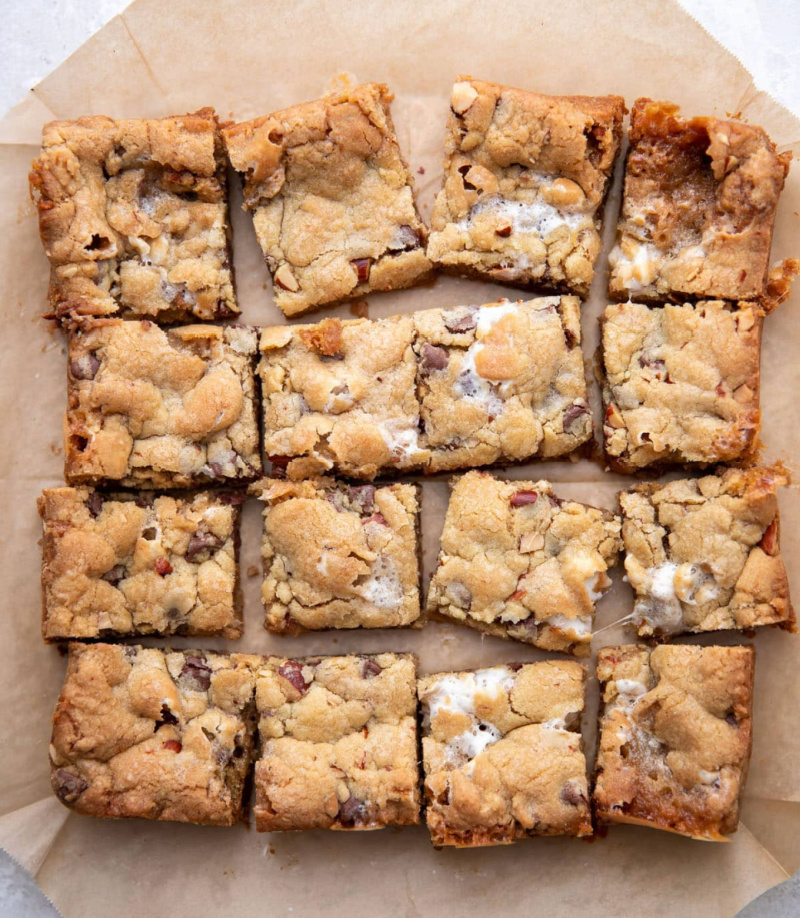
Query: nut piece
x,y
613,417
769,541
464,94
531,542
362,267
285,279
563,193
523,498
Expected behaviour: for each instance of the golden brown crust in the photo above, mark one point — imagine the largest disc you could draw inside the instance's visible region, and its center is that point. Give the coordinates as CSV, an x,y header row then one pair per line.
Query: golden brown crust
x,y
681,384
502,754
675,737
518,562
150,407
698,207
704,554
133,216
338,742
118,565
525,178
431,391
339,556
332,198
140,732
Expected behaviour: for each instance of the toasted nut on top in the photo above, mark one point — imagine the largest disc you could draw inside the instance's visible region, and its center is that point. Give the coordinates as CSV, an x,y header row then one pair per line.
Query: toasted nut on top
x,y
464,94
563,193
285,279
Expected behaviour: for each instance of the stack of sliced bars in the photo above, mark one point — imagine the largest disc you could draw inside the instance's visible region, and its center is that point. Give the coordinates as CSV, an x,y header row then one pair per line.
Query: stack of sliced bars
x,y
134,219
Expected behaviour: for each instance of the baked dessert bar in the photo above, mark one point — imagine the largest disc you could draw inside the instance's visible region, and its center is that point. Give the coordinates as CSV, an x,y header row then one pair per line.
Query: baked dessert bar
x,y
332,198
503,754
704,554
338,739
339,556
525,179
698,207
157,408
119,565
155,734
518,562
675,737
435,390
133,216
681,384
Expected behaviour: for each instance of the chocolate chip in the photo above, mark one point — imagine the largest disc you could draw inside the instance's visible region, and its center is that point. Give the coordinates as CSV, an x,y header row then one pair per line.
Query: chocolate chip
x,y
292,672
434,358
84,367
515,667
573,413
375,518
115,575
202,543
232,498
572,794
352,811
370,668
459,595
362,498
67,786
216,469
523,498
467,383
456,320
731,719
163,567
195,674
404,239
167,717
94,503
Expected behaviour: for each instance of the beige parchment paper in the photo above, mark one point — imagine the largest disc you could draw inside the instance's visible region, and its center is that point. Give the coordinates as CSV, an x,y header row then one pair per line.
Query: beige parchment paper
x,y
250,58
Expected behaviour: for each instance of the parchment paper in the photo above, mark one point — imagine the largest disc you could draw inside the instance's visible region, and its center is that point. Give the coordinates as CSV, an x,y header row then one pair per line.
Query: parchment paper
x,y
248,59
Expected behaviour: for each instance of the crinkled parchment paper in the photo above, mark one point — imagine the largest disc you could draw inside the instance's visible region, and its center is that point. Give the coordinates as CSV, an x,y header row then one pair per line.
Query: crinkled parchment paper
x,y
246,59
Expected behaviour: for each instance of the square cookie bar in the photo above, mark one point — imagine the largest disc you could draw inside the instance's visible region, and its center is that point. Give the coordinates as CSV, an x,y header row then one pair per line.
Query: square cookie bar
x,y
503,754
698,207
154,734
525,179
681,384
332,198
338,740
120,565
435,390
675,736
704,554
156,408
339,556
133,216
518,562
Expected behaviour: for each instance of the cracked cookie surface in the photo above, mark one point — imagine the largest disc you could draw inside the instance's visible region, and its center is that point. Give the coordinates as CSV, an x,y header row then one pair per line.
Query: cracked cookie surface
x,y
518,562
698,207
503,755
140,732
149,407
675,736
332,198
704,554
525,179
339,556
133,216
681,383
430,391
338,740
116,565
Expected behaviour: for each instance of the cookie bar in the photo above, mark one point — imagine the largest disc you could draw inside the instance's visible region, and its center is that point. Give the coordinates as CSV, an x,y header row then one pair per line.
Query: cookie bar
x,y
338,742
675,736
157,408
435,390
502,753
681,384
119,565
518,562
698,207
339,556
154,734
704,554
133,216
525,179
332,198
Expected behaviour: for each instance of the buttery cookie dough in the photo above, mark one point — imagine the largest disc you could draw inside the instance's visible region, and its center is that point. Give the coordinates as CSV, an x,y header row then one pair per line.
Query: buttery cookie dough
x,y
503,755
338,742
675,737
155,408
518,562
119,565
332,198
133,216
698,207
525,179
154,734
